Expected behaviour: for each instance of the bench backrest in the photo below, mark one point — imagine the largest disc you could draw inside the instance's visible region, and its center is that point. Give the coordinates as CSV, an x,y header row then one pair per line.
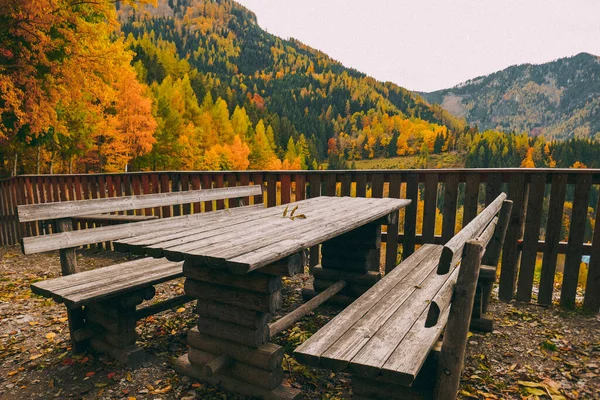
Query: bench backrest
x,y
77,208
454,247
63,211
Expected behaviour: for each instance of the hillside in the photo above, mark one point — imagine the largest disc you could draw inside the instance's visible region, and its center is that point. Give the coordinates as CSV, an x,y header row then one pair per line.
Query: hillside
x,y
294,89
559,99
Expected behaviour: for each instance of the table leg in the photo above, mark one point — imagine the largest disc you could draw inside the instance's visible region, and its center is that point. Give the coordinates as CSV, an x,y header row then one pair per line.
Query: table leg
x,y
353,257
230,346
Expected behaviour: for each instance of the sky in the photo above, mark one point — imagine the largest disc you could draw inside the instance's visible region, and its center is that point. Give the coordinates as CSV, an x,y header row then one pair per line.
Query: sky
x,y
428,45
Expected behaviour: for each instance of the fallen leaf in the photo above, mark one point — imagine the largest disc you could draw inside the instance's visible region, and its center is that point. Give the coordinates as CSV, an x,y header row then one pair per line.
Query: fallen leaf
x,y
181,309
50,336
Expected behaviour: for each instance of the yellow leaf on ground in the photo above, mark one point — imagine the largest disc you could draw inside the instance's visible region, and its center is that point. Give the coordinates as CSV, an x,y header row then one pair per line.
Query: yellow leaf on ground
x,y
35,357
50,335
181,309
163,390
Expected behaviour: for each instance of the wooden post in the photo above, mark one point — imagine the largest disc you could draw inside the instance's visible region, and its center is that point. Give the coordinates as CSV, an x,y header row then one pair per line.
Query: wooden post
x,y
455,336
68,257
391,244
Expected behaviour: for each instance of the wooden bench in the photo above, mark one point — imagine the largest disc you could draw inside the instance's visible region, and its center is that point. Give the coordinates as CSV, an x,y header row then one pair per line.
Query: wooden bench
x,y
388,337
102,304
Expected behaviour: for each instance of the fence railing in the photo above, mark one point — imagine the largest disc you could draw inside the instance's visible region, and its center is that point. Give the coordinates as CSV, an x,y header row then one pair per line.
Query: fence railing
x,y
555,218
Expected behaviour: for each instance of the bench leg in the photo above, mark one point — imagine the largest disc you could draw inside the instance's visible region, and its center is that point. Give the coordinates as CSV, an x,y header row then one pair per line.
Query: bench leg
x,y
480,319
114,326
76,323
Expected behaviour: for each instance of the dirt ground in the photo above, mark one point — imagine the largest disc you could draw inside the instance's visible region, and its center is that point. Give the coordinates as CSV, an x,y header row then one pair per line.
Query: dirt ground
x,y
534,352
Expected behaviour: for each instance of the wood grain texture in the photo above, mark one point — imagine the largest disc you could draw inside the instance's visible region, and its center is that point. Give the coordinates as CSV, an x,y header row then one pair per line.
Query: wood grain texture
x,y
35,212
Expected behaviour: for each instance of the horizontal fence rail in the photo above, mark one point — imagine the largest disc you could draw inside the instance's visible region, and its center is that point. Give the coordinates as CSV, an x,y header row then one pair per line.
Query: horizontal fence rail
x,y
555,218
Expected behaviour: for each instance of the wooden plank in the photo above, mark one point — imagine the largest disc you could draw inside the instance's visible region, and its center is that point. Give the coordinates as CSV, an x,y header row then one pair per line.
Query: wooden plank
x,y
385,326
452,356
136,185
471,198
165,190
98,206
510,251
185,186
492,251
408,359
195,185
537,187
145,186
391,244
155,188
346,184
254,282
235,297
224,380
555,213
330,184
493,187
286,188
68,257
258,180
300,182
377,185
73,283
272,190
449,211
454,248
576,237
262,228
244,181
115,218
207,184
308,237
290,318
430,207
223,233
176,187
410,216
591,300
311,350
65,240
315,191
269,356
361,184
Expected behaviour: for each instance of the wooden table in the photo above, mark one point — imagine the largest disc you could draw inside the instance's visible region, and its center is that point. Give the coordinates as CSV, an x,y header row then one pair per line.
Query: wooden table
x,y
233,263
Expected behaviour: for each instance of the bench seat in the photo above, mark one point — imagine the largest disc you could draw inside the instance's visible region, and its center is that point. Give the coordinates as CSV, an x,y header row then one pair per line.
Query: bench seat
x,y
102,283
377,334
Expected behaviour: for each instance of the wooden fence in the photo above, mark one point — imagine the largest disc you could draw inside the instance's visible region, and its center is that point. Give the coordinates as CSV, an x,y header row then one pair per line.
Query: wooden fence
x,y
443,201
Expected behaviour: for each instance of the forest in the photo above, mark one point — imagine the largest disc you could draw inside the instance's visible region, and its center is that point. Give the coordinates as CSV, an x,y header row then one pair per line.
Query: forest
x,y
198,85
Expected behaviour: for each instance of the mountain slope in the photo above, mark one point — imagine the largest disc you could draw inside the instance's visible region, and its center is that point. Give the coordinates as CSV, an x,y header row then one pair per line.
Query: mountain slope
x,y
559,99
294,88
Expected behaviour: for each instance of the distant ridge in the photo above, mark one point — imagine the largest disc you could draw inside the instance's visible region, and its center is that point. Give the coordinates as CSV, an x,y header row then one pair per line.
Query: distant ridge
x,y
559,99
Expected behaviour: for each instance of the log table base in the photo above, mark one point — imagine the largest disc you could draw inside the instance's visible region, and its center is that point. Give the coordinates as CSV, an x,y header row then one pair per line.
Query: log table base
x,y
230,346
353,257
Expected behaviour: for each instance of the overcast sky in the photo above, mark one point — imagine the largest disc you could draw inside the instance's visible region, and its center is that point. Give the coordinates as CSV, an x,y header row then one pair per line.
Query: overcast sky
x,y
428,45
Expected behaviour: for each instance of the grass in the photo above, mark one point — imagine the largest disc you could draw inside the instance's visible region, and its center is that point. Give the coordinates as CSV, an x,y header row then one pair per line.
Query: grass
x,y
444,160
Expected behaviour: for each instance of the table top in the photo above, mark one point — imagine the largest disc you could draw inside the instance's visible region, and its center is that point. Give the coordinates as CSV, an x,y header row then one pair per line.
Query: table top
x,y
247,238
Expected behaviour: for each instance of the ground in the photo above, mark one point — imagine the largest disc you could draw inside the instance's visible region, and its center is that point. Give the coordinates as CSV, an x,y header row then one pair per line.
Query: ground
x,y
534,351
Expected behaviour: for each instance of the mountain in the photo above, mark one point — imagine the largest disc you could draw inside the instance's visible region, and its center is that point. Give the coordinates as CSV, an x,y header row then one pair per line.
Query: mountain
x,y
559,99
297,91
